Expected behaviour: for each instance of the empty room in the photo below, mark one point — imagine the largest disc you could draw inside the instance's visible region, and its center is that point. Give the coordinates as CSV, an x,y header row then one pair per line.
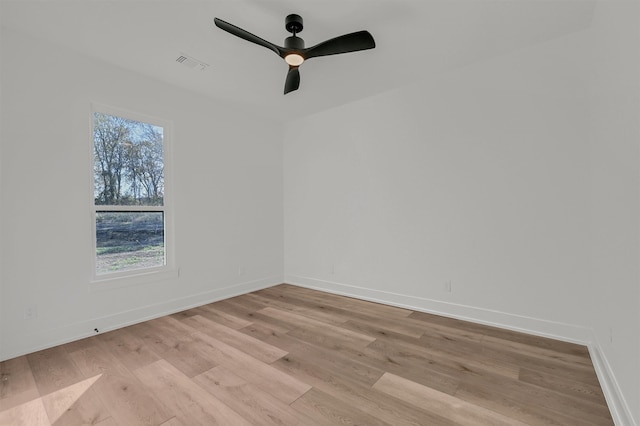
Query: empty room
x,y
390,212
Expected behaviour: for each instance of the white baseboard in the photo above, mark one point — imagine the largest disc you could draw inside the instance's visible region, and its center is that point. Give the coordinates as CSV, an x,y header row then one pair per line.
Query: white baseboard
x,y
48,338
566,332
555,330
615,398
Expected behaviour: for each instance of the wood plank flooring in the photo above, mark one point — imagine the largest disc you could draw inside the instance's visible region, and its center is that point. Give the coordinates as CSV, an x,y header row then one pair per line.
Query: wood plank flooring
x,y
292,356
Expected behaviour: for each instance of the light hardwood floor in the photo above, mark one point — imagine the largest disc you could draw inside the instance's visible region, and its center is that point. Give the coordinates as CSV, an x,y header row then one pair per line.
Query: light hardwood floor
x,y
293,356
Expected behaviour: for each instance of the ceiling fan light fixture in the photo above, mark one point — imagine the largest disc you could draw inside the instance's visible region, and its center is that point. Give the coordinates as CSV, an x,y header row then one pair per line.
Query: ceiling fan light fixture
x,y
294,59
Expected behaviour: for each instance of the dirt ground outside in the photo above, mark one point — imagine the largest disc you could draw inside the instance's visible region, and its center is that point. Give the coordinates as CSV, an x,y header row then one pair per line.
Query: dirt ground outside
x,y
148,257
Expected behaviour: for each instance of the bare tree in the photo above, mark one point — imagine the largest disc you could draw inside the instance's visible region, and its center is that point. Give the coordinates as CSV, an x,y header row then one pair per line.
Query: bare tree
x,y
110,137
128,162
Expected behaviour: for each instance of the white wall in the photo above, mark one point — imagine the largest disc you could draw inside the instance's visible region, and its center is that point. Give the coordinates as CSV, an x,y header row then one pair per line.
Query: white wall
x,y
227,194
615,193
2,248
517,179
477,177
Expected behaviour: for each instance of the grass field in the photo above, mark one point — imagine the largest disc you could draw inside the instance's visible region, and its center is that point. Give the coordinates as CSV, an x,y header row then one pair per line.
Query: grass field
x,y
129,240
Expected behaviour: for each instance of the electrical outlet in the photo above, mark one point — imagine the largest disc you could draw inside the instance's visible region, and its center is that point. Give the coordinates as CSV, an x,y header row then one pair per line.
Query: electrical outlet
x,y
610,334
447,286
241,270
30,312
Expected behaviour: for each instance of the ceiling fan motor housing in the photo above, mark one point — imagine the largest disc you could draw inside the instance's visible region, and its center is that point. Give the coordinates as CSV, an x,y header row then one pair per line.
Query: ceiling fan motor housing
x,y
294,42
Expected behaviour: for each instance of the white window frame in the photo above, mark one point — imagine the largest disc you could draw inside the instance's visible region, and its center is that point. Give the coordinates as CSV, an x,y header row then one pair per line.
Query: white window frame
x,y
143,275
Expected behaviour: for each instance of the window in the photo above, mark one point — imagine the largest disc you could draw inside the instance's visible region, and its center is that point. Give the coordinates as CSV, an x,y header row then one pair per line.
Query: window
x,y
130,214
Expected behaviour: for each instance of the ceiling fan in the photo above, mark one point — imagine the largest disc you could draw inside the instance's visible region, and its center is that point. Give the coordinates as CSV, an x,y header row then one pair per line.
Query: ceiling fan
x,y
294,53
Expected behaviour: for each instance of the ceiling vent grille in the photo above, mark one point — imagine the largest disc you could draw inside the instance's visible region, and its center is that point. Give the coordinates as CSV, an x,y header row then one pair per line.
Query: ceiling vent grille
x,y
191,62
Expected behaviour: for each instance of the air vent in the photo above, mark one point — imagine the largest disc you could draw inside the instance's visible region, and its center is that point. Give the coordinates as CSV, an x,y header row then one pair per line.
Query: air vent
x,y
191,62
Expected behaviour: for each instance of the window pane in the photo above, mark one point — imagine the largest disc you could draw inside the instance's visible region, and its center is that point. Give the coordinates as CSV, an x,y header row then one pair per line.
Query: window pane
x,y
129,240
128,166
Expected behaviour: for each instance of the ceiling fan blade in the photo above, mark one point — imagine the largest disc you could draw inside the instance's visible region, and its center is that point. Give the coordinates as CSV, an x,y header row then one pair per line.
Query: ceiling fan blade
x,y
353,42
239,32
293,80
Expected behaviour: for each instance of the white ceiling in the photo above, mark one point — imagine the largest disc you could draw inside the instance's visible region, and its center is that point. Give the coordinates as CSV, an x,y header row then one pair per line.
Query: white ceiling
x,y
415,40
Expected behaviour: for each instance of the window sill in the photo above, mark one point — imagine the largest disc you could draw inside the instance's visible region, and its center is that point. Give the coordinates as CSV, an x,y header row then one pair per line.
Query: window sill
x,y
142,277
